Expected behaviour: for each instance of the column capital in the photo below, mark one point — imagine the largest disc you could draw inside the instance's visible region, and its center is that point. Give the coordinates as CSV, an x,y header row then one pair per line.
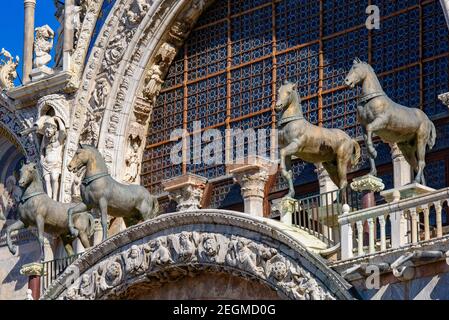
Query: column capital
x,y
367,183
32,269
187,190
28,3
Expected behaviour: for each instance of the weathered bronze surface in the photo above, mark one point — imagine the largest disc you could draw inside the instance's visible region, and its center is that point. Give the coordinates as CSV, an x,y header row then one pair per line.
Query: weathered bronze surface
x,y
36,208
99,191
298,137
410,128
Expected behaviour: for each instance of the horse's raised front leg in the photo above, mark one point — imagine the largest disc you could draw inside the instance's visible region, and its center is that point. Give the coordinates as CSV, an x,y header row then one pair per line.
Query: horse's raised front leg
x,y
104,217
81,207
372,163
377,124
287,173
15,226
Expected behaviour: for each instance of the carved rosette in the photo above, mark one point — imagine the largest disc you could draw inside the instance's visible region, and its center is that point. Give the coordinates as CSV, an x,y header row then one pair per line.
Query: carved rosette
x,y
194,252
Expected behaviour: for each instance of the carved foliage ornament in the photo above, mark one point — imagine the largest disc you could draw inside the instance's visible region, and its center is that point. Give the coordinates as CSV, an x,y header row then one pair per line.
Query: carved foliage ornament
x,y
196,251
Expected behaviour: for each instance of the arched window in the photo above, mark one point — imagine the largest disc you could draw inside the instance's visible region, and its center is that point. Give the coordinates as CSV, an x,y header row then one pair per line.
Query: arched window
x,y
229,69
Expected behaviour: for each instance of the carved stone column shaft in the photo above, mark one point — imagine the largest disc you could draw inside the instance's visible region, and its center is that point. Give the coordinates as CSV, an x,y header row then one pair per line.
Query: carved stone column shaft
x,y
28,39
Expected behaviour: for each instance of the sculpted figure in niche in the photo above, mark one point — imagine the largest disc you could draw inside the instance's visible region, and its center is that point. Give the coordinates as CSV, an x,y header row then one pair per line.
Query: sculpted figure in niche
x,y
43,44
187,247
87,287
211,247
159,254
132,161
51,154
153,83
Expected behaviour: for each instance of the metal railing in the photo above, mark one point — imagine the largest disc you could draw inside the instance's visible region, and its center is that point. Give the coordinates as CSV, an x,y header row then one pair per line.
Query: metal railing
x,y
318,214
54,268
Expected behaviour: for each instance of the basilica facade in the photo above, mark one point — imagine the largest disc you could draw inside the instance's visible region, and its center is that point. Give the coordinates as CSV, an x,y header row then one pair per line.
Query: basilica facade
x,y
182,98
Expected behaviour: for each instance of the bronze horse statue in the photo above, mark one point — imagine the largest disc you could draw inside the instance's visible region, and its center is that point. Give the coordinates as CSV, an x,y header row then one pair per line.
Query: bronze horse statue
x,y
409,128
36,208
298,137
99,191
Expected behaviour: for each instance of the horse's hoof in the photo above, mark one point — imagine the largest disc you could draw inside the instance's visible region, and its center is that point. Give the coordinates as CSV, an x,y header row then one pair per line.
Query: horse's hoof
x,y
13,250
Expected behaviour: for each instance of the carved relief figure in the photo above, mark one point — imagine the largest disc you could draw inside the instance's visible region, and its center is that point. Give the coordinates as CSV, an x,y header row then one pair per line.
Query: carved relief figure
x,y
8,71
153,83
159,253
132,161
240,255
43,44
137,11
211,247
100,94
187,247
134,261
87,287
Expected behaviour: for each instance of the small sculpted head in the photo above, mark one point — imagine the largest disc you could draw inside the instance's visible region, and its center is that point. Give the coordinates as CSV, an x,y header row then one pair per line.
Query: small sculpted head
x,y
27,174
285,95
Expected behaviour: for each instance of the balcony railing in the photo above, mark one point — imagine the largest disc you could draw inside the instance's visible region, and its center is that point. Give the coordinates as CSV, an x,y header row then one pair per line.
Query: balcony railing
x,y
54,268
392,225
318,214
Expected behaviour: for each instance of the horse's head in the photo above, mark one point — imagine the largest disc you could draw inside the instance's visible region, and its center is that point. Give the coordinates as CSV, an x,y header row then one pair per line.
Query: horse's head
x,y
286,94
80,159
27,174
358,73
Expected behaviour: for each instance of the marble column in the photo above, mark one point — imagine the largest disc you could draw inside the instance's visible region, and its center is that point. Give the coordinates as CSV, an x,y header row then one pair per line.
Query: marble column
x,y
68,33
28,39
402,171
252,175
34,272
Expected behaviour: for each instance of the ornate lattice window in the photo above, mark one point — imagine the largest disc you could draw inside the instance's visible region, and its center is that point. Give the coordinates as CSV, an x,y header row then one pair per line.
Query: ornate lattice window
x,y
240,51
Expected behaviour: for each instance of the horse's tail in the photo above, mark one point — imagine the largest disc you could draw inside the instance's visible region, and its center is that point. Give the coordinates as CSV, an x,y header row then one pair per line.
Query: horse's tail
x,y
155,210
356,153
432,136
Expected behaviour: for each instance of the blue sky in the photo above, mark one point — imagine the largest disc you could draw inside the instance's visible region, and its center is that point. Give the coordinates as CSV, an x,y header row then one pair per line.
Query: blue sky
x,y
11,24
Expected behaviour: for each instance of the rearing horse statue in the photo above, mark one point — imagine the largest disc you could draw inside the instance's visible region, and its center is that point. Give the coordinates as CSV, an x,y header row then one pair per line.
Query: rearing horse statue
x,y
99,191
409,128
332,147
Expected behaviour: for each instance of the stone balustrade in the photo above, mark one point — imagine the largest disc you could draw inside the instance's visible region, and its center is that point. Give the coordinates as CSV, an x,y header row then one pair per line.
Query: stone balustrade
x,y
412,217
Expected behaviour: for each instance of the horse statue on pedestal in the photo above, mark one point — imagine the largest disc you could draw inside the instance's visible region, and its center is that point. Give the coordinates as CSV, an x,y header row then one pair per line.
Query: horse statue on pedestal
x,y
36,208
409,128
298,137
99,191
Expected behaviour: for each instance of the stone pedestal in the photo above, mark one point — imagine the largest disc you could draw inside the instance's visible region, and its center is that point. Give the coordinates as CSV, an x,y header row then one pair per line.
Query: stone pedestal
x,y
252,176
408,191
402,172
98,232
187,190
41,73
33,271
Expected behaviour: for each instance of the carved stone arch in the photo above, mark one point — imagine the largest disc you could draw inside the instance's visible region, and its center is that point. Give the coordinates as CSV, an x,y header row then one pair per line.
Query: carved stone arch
x,y
58,103
11,124
197,243
135,46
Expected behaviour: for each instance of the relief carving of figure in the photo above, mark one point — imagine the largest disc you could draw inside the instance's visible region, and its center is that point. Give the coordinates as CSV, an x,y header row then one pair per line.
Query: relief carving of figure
x,y
132,161
110,274
100,94
240,255
159,253
137,11
211,247
8,71
43,44
91,130
87,287
134,261
187,247
153,83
